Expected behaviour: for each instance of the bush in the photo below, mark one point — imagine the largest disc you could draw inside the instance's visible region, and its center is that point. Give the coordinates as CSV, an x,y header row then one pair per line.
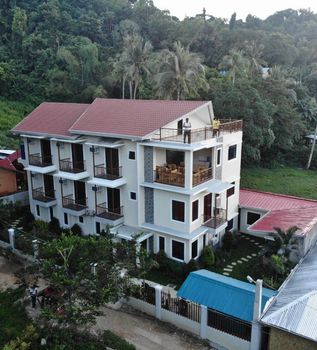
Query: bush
x,y
163,261
112,340
4,235
54,226
76,230
27,221
229,241
176,268
207,257
191,266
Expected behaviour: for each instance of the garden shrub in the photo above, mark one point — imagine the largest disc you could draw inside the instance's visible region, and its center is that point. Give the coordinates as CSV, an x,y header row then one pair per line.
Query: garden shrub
x,y
176,268
191,266
163,261
76,230
207,257
27,221
4,235
54,227
229,241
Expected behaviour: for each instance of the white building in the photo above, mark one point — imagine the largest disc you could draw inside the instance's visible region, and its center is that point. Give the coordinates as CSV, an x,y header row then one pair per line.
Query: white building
x,y
124,163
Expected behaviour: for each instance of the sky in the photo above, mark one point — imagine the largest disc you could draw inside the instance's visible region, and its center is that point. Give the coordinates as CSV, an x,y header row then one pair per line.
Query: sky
x,y
225,8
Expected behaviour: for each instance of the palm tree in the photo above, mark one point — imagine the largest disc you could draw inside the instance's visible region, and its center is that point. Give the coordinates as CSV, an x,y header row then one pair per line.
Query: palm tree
x,y
254,53
180,73
236,64
284,238
133,62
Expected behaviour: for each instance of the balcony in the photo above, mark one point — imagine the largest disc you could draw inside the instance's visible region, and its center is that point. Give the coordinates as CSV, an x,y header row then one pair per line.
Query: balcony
x,y
201,174
197,135
106,173
112,214
170,174
37,160
70,166
43,196
217,220
74,204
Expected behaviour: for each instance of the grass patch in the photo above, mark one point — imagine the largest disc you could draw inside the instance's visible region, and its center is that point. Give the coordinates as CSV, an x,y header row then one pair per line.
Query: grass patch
x,y
13,318
290,181
164,278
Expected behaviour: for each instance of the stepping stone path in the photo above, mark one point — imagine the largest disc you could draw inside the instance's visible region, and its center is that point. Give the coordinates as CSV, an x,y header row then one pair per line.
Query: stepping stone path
x,y
234,263
240,262
244,259
257,243
249,256
228,269
225,274
253,254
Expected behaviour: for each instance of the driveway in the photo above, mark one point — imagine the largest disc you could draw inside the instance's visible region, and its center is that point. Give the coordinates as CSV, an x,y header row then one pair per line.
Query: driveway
x,y
145,332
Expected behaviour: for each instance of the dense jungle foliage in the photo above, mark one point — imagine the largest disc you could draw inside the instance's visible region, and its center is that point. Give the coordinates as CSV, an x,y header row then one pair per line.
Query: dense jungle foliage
x,y
75,50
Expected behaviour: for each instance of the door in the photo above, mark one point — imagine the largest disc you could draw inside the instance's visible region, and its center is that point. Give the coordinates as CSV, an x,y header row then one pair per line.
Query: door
x,y
114,200
78,156
80,192
46,151
207,206
112,162
49,186
180,127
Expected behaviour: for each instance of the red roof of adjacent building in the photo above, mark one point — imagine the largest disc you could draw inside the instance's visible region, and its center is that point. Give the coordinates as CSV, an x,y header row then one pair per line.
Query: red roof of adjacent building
x,y
7,163
51,118
283,211
136,118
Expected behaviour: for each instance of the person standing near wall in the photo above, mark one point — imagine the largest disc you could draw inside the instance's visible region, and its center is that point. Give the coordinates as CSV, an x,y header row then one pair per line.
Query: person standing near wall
x,y
33,295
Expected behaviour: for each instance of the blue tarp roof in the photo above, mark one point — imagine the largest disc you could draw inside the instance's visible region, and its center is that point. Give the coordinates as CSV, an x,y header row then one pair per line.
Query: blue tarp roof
x,y
222,293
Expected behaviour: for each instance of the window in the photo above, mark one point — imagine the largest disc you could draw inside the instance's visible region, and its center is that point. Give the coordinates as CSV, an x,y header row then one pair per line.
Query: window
x,y
81,219
230,192
230,225
180,127
65,219
232,152
51,213
218,156
133,196
178,250
195,210
178,211
252,218
175,157
204,240
132,155
98,227
38,213
161,243
195,249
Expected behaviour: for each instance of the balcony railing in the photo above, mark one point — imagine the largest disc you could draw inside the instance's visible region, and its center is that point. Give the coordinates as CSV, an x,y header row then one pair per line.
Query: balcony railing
x,y
43,196
74,204
71,166
37,160
202,176
216,220
104,212
169,177
107,173
197,135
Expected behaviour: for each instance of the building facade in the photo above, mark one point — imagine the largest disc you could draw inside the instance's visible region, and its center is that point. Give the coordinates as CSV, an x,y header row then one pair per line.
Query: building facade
x,y
128,164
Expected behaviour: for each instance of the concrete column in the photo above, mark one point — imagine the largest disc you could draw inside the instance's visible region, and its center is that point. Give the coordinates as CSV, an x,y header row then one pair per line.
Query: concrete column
x,y
203,321
189,169
35,244
256,326
158,302
138,250
11,237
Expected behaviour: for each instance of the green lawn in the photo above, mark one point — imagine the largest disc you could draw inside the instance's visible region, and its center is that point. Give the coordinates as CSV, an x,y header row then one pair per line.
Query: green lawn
x,y
291,181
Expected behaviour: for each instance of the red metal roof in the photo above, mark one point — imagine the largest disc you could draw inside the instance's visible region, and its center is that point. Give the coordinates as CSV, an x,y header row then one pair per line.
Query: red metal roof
x,y
131,117
51,118
6,163
283,211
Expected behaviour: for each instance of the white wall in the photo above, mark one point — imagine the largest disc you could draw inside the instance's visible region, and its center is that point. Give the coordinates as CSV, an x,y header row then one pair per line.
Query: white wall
x,y
244,216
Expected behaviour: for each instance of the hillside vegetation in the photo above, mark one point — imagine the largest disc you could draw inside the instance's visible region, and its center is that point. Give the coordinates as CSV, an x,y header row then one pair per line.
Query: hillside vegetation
x,y
75,50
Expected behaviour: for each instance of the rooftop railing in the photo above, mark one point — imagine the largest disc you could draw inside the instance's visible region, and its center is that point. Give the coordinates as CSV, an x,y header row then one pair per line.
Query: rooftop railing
x,y
104,212
107,173
37,160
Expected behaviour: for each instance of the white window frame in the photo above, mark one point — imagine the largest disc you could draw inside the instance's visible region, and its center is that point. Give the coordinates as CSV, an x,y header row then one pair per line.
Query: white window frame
x,y
191,249
158,243
171,212
134,155
131,199
176,240
220,157
196,200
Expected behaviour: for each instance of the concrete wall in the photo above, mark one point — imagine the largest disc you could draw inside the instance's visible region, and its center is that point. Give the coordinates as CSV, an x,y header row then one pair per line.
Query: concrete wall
x,y
8,182
180,322
244,216
283,340
22,197
224,340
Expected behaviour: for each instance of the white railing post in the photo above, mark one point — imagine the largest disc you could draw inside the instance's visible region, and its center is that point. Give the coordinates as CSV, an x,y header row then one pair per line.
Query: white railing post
x,y
35,244
203,321
11,237
257,309
158,302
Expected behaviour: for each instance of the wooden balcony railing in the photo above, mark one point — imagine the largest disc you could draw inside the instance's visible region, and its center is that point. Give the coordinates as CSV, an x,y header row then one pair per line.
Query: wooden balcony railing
x,y
197,135
217,219
107,173
172,177
71,166
42,195
74,204
202,176
104,212
37,160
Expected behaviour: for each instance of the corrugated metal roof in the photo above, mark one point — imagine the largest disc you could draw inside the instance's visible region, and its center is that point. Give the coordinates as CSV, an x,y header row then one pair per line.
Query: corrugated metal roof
x,y
222,293
294,309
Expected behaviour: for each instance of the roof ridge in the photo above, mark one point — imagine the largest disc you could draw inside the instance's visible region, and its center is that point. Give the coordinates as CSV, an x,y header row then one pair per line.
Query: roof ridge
x,y
289,209
278,194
